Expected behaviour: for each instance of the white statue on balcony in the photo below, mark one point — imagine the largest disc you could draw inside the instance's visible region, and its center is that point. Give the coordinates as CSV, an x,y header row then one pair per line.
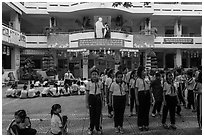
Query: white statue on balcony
x,y
99,28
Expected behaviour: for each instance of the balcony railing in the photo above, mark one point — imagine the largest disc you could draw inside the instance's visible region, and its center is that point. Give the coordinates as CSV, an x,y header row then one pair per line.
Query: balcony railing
x,y
12,36
36,41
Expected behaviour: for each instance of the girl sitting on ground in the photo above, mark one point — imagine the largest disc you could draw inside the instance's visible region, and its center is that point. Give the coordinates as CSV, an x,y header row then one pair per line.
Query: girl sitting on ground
x,y
58,124
32,92
46,91
55,91
24,92
21,125
10,92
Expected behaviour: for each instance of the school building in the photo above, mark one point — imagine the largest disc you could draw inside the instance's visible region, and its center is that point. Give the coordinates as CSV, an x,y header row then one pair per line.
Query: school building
x,y
64,34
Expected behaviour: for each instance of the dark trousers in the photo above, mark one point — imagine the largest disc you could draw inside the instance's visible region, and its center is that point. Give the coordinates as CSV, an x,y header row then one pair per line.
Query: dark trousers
x,y
190,99
132,100
199,110
180,96
110,108
95,106
157,107
143,108
171,102
119,103
26,131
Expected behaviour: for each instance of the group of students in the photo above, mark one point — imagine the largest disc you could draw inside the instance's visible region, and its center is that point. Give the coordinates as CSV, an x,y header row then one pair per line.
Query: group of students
x,y
165,88
21,124
47,90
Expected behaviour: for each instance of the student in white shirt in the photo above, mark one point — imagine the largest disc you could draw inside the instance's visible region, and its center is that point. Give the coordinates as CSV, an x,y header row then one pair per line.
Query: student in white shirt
x,y
94,101
46,91
55,91
190,85
10,92
57,126
170,100
108,83
32,91
143,99
132,92
24,92
198,92
118,98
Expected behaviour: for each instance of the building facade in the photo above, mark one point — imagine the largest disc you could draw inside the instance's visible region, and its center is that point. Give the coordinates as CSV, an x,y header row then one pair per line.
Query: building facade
x,y
66,34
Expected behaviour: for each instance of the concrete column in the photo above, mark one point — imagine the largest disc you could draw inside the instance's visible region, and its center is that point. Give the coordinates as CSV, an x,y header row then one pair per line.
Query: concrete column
x,y
164,60
178,58
52,22
147,25
145,57
178,28
85,67
14,20
15,60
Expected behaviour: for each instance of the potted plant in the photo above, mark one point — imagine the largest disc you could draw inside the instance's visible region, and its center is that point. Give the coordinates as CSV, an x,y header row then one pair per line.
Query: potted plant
x,y
51,71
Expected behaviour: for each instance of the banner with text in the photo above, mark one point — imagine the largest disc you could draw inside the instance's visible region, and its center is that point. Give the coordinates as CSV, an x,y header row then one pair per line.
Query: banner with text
x,y
101,42
178,41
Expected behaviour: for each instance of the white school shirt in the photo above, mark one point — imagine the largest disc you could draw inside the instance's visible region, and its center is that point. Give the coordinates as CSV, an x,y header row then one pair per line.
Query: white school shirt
x,y
45,90
31,93
171,91
132,83
108,82
23,94
190,84
10,91
118,90
142,84
56,123
94,88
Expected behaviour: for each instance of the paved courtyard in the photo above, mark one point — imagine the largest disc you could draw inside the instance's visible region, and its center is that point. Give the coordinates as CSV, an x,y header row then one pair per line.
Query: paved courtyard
x,y
38,110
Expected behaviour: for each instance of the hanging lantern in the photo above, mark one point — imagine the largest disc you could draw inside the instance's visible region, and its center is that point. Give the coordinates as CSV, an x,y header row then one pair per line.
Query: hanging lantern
x,y
128,54
8,51
122,53
4,50
197,54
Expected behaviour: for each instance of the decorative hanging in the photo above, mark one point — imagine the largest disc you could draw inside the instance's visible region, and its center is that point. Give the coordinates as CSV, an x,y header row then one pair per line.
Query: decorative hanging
x,y
8,51
4,50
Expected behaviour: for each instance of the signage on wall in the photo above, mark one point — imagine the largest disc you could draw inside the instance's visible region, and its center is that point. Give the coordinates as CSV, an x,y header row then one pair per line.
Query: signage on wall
x,y
33,52
178,41
101,42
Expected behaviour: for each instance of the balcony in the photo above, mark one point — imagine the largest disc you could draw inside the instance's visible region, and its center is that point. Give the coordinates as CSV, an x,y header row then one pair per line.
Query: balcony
x,y
176,8
185,41
13,37
36,41
71,7
75,37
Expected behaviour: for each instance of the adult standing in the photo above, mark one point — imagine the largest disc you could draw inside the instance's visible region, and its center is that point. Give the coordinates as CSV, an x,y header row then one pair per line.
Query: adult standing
x,y
99,28
68,77
143,100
